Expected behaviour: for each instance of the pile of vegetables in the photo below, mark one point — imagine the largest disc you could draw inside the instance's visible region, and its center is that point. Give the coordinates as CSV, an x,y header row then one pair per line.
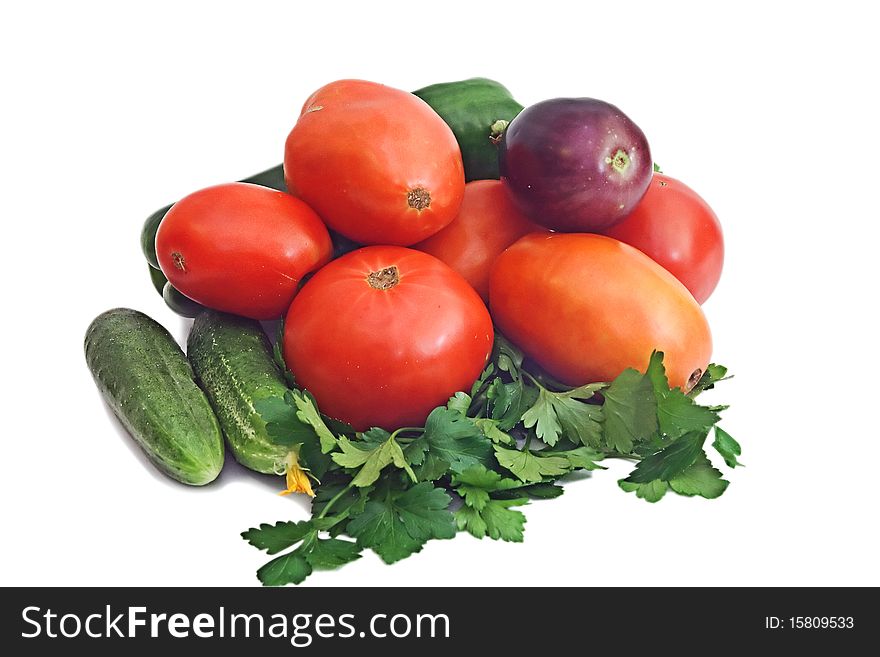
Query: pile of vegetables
x,y
476,300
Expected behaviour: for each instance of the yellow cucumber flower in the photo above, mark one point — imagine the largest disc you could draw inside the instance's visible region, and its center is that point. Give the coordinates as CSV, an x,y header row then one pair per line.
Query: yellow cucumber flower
x,y
297,477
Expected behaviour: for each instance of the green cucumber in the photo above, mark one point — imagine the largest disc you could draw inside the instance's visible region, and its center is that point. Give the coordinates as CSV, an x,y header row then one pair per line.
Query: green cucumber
x,y
233,362
174,299
272,178
179,302
148,235
478,110
147,381
158,279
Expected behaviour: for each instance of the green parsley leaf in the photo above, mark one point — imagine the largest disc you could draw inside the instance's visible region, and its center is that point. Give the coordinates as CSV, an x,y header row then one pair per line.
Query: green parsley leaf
x,y
328,523
468,518
460,401
282,424
277,537
290,568
329,553
423,511
450,441
713,374
581,458
501,395
585,392
355,457
337,426
416,451
677,413
542,416
475,484
630,411
307,411
495,519
314,552
426,465
284,427
482,477
651,491
505,361
508,401
371,460
543,491
314,459
669,461
481,382
725,445
396,524
489,428
455,439
482,515
700,479
508,357
560,413
351,502
529,467
372,438
657,168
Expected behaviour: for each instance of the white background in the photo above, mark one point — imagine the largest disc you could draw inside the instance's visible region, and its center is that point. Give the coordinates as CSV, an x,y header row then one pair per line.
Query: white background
x,y
767,109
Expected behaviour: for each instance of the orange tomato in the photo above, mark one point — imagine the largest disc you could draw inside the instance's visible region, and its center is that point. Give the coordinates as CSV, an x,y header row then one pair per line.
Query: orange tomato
x,y
585,307
377,164
487,223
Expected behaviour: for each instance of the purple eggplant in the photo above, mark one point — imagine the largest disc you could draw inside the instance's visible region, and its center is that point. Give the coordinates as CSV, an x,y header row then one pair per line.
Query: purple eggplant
x,y
575,164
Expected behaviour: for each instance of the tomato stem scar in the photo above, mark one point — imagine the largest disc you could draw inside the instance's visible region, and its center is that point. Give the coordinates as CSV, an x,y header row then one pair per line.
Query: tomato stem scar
x,y
418,198
179,262
384,279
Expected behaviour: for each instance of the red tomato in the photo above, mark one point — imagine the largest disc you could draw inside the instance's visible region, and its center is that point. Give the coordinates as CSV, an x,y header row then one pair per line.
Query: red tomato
x,y
241,248
384,334
487,223
586,307
378,164
678,230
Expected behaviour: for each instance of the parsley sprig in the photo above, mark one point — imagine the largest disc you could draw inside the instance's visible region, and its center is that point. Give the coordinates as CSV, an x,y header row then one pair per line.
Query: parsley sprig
x,y
482,457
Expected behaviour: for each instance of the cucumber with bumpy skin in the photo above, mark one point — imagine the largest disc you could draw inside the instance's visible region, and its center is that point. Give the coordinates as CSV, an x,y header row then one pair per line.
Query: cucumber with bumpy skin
x,y
147,381
233,362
